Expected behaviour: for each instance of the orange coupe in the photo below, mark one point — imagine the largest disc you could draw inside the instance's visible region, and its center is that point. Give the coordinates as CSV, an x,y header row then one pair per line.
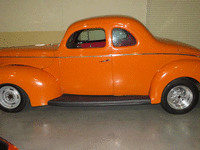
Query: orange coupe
x,y
101,61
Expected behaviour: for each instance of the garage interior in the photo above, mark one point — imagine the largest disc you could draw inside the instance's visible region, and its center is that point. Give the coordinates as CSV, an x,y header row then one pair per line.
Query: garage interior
x,y
98,128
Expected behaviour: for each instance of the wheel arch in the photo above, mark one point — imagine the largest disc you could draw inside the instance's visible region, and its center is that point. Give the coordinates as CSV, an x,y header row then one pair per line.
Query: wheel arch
x,y
187,68
39,85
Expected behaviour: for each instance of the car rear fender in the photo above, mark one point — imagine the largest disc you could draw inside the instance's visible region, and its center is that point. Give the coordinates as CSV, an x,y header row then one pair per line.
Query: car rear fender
x,y
176,69
39,85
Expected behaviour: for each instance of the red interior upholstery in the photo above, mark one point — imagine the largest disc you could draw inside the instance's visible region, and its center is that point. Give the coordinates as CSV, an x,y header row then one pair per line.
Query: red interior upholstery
x,y
93,44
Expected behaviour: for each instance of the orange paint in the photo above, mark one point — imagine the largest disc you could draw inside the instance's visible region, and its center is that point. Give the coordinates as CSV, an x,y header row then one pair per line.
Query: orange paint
x,y
145,68
7,144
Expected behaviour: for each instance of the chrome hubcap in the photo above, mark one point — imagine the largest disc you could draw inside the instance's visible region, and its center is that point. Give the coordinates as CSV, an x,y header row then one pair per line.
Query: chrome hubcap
x,y
179,97
9,97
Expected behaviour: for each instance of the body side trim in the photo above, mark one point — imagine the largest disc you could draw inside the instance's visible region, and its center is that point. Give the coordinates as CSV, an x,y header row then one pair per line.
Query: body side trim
x,y
102,55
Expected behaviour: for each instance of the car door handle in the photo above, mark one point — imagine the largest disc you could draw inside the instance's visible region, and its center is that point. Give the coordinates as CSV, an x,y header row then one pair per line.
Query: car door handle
x,y
105,60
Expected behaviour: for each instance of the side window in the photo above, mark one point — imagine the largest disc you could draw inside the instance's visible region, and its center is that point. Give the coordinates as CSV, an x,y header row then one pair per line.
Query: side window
x,y
89,38
121,37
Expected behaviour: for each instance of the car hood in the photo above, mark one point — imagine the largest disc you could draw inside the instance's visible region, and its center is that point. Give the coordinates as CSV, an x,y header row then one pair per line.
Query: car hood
x,y
36,56
29,51
179,47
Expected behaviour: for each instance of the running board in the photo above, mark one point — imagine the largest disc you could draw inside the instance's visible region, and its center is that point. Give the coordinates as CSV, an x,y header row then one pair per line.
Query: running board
x,y
83,100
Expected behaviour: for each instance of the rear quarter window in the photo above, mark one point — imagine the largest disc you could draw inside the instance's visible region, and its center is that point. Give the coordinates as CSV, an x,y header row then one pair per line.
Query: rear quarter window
x,y
121,37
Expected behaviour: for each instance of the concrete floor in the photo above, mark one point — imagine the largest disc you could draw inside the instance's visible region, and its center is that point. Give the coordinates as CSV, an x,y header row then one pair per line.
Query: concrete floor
x,y
138,127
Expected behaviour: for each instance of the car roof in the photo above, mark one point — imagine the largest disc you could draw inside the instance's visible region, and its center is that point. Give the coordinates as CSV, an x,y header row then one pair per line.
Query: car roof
x,y
123,20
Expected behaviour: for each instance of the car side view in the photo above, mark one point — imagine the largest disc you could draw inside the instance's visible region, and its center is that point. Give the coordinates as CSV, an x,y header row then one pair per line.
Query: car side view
x,y
101,61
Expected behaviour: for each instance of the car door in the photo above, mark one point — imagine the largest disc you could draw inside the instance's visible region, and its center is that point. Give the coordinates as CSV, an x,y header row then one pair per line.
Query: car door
x,y
133,67
85,63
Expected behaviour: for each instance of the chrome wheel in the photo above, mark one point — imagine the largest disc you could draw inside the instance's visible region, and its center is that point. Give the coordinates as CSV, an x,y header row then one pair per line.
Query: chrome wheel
x,y
180,97
10,97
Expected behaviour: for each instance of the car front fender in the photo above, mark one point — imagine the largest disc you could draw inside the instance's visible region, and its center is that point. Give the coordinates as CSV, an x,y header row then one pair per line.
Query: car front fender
x,y
39,85
176,69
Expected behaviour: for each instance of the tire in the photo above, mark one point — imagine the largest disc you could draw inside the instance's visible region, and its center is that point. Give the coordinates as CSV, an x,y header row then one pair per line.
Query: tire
x,y
12,98
179,96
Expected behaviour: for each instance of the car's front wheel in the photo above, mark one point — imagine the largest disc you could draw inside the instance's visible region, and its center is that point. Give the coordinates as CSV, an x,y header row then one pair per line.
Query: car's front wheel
x,y
12,98
180,96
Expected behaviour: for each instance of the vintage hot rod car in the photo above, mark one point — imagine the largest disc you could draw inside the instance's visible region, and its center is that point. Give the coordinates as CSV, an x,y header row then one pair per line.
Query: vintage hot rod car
x,y
102,61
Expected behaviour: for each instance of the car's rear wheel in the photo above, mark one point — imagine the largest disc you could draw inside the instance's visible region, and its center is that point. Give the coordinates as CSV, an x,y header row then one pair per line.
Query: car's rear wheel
x,y
12,98
180,96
